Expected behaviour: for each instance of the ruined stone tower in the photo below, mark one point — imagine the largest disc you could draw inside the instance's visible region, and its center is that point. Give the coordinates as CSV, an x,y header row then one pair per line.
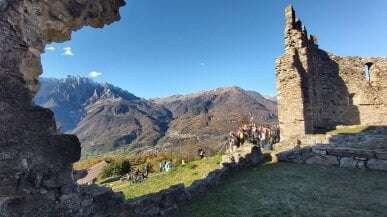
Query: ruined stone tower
x,y
318,91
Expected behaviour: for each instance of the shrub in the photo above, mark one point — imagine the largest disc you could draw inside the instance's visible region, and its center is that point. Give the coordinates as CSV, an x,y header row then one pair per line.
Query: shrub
x,y
116,168
193,166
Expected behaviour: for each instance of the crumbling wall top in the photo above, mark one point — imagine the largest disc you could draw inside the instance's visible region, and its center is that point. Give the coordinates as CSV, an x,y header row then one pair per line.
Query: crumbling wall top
x,y
41,21
296,34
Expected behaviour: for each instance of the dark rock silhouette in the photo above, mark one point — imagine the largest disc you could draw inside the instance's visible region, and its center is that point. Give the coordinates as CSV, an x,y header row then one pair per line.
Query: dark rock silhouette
x,y
35,160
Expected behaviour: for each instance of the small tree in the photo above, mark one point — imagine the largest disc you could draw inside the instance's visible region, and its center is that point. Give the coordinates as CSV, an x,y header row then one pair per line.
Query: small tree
x,y
116,168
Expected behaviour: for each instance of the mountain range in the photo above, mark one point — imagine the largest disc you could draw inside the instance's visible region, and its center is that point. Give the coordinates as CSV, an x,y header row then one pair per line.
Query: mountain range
x,y
107,118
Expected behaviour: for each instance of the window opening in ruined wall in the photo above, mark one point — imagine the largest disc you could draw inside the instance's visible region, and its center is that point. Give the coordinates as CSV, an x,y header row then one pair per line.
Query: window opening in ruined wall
x,y
367,71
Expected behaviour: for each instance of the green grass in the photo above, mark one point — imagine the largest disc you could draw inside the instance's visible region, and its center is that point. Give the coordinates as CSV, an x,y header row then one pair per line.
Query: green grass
x,y
294,190
159,181
348,129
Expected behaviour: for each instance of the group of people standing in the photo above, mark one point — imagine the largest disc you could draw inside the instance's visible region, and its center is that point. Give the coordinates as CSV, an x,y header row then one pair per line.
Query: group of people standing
x,y
165,166
137,176
264,136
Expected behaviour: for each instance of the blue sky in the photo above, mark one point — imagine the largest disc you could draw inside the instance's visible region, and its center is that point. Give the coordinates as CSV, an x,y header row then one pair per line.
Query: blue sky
x,y
168,47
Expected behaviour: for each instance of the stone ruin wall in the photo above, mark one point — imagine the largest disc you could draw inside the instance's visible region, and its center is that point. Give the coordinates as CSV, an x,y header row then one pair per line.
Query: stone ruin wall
x,y
36,161
318,91
36,175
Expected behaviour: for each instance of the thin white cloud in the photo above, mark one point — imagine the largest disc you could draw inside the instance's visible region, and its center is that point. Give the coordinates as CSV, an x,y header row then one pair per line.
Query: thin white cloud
x,y
67,51
50,48
94,74
202,64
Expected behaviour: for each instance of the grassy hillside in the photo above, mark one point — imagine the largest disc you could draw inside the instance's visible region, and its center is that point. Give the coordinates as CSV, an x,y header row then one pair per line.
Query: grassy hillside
x,y
295,190
159,181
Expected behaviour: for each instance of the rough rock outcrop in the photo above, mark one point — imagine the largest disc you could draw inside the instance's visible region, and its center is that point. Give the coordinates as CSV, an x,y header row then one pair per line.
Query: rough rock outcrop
x,y
35,161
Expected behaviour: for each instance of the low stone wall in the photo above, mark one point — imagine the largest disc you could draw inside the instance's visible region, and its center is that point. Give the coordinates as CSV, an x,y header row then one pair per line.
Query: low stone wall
x,y
333,156
167,202
97,201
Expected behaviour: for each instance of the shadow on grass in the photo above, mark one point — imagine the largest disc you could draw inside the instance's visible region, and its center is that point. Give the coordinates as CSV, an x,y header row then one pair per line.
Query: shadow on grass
x,y
285,189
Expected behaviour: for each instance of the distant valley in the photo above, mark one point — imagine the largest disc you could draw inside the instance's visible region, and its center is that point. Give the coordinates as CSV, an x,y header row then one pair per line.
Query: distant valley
x,y
106,118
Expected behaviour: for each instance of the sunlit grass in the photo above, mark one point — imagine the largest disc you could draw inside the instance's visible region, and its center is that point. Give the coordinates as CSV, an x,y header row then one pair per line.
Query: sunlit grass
x,y
185,174
84,164
355,129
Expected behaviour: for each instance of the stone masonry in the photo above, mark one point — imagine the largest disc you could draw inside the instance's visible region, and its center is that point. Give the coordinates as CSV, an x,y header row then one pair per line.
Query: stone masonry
x,y
318,91
36,177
